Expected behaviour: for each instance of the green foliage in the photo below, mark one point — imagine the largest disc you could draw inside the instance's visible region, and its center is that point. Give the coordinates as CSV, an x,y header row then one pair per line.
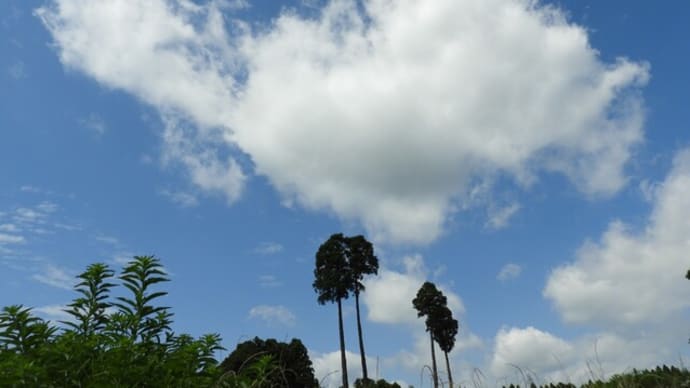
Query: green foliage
x,y
89,310
444,328
427,300
361,261
332,276
259,374
292,367
132,346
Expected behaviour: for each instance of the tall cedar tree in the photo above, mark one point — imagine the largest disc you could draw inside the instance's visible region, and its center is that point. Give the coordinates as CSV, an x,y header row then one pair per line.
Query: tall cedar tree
x,y
333,280
362,261
429,301
444,329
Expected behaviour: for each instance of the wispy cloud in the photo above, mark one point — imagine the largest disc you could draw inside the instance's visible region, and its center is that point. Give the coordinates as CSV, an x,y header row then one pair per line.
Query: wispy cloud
x,y
269,281
273,315
268,248
56,277
108,239
95,123
11,239
181,198
509,271
53,312
500,216
47,207
122,258
30,189
17,70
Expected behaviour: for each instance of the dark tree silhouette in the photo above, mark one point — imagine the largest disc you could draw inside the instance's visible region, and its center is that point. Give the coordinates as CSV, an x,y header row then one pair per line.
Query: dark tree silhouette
x,y
362,261
444,329
429,301
294,366
333,280
381,383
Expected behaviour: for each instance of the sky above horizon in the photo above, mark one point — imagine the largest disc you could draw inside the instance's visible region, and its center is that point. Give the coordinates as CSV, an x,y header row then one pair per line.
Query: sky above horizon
x,y
530,158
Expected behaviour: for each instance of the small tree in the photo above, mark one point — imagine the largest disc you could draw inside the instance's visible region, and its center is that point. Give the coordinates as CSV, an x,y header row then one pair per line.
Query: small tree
x,y
332,283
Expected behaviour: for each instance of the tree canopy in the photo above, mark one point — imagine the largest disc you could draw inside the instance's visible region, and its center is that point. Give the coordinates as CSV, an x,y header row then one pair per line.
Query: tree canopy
x,y
294,368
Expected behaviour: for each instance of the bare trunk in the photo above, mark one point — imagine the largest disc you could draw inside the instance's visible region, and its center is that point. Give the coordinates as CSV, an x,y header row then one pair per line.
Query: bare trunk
x,y
450,375
343,361
433,361
365,375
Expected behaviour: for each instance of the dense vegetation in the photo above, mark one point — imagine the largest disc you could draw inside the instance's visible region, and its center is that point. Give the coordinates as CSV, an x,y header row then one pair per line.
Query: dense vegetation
x,y
125,341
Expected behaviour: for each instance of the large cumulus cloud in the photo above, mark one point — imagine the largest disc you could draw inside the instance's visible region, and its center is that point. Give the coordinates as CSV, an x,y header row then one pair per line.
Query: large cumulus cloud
x,y
384,114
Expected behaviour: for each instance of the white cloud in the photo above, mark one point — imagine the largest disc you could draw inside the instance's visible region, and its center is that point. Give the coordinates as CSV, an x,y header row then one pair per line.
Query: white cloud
x,y
269,248
529,349
522,353
54,312
11,228
327,367
47,207
11,239
500,216
201,160
108,239
30,189
122,258
375,118
56,277
180,198
509,271
631,277
36,215
26,215
273,315
388,297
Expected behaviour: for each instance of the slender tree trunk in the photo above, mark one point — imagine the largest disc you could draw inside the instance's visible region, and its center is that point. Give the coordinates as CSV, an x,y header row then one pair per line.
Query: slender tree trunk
x,y
450,375
433,361
343,362
365,375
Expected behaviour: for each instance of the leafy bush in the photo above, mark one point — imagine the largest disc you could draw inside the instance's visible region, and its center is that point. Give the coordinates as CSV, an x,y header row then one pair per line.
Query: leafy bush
x,y
291,366
122,342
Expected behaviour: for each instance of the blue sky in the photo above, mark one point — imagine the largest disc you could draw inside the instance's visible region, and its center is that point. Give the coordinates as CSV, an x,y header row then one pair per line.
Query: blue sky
x,y
530,158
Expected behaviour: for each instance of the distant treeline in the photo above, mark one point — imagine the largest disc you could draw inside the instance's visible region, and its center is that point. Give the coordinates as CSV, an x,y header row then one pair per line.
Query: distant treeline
x,y
660,377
